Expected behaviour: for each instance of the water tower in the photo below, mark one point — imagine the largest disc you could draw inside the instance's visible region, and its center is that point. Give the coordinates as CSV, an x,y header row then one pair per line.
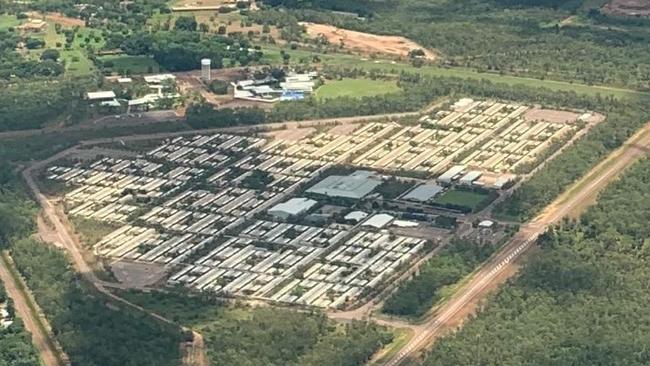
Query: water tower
x,y
205,69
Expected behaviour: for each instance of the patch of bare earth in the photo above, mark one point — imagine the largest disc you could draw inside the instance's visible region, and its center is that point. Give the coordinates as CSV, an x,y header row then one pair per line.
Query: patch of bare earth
x,y
292,134
628,7
344,129
550,115
366,43
59,18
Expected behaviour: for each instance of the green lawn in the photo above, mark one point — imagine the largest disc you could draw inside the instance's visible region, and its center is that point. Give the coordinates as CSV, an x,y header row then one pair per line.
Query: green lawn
x,y
458,197
131,64
8,21
356,88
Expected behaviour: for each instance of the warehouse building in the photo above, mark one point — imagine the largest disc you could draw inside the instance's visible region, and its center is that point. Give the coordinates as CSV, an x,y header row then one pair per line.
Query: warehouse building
x,y
452,174
356,185
470,177
424,192
293,207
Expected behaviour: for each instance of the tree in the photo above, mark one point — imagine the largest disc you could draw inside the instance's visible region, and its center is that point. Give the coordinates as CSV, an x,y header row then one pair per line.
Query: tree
x,y
186,23
50,54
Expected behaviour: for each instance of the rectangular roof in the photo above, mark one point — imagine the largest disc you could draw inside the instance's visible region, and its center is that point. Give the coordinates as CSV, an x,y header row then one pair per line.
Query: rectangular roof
x,y
379,221
424,192
356,185
108,94
294,206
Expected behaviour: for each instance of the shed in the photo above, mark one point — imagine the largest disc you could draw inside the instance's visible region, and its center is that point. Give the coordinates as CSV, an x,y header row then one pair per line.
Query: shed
x,y
379,221
452,174
424,192
470,177
292,207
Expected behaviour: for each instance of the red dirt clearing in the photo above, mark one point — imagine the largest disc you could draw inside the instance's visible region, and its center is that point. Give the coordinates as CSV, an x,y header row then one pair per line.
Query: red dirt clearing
x,y
365,42
628,7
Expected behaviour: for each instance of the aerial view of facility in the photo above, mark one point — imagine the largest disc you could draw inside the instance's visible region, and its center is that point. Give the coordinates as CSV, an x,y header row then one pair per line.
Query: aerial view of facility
x,y
268,219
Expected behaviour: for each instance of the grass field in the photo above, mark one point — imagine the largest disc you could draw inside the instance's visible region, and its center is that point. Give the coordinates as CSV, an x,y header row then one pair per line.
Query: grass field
x,y
131,64
8,21
356,88
457,197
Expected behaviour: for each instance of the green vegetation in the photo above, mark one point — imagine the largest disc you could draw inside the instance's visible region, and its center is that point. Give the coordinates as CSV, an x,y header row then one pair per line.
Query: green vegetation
x,y
579,301
238,336
15,341
127,65
416,297
355,88
464,199
90,332
91,231
513,37
8,21
392,188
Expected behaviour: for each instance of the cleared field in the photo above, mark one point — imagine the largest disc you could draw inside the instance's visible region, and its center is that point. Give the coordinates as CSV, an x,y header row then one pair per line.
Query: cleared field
x,y
366,43
131,64
356,88
8,21
456,197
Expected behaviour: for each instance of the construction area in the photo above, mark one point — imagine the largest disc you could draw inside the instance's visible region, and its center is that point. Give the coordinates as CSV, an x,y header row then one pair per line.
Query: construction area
x,y
326,220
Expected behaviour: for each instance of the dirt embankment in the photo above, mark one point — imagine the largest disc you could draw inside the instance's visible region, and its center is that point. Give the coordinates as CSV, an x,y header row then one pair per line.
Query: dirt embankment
x,y
366,43
58,18
628,7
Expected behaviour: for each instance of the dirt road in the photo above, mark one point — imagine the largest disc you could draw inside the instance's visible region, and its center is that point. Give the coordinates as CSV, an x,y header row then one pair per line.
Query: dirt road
x,y
60,234
491,274
44,344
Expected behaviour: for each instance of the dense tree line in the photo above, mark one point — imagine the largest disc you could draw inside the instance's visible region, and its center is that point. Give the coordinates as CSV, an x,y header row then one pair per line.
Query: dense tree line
x,y
91,333
183,48
15,341
521,37
581,300
237,335
33,105
418,295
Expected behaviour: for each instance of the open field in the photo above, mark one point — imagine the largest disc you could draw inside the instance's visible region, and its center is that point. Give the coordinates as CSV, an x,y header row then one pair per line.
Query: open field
x,y
131,64
356,88
463,198
366,43
8,21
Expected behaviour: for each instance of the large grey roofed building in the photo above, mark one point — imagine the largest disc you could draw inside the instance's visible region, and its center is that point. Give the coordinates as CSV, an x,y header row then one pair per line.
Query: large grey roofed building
x,y
292,207
356,185
424,192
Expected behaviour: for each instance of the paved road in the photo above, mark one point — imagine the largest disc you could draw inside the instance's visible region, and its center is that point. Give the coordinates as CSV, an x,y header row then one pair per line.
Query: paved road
x,y
41,339
100,123
490,273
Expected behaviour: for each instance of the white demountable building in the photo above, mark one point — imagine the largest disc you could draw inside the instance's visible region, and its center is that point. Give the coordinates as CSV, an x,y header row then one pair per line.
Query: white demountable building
x,y
379,221
292,207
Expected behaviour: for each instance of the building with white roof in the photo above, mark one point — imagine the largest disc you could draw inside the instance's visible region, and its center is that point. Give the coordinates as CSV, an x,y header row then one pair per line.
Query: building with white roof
x,y
379,221
470,177
292,207
157,79
452,174
99,96
356,216
356,185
